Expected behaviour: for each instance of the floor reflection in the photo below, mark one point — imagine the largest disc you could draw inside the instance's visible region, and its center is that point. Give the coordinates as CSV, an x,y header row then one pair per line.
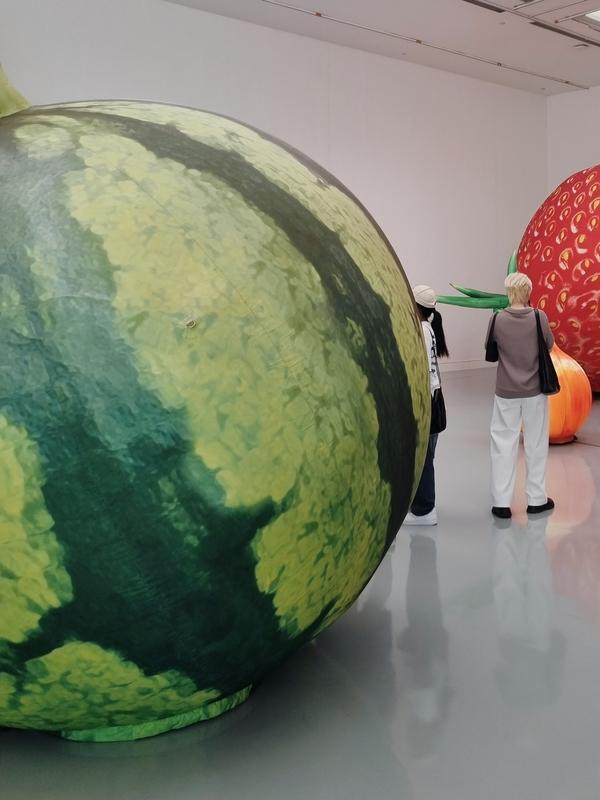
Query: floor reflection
x,y
424,644
573,539
531,650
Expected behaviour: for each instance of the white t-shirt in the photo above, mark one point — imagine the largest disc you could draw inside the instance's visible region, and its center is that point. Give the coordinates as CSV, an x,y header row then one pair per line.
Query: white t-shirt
x,y
431,347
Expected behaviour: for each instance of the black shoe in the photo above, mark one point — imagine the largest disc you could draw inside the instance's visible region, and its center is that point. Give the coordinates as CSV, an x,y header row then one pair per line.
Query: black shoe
x,y
547,506
503,512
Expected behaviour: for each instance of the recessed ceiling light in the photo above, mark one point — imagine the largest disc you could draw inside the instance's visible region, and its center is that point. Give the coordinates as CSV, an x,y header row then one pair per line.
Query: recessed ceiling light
x,y
581,46
595,15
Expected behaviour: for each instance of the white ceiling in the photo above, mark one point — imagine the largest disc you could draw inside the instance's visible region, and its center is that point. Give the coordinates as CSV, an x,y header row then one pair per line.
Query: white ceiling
x,y
508,32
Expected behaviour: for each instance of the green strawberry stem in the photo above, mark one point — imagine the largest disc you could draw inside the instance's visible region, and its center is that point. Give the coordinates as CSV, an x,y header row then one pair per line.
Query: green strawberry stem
x,y
512,264
475,292
10,100
495,302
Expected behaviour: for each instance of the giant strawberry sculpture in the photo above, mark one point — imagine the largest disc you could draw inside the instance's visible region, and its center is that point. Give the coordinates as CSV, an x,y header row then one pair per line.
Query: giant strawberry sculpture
x,y
560,251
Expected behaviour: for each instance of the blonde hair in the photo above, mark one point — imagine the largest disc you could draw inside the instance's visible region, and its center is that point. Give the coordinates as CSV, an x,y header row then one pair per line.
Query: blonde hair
x,y
518,288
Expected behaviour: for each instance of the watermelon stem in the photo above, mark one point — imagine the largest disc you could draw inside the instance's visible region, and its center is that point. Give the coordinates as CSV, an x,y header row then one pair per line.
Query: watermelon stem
x,y
10,100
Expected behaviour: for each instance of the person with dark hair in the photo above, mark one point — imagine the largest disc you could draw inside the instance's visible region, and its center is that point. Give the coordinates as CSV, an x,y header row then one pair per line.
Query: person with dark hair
x,y
422,510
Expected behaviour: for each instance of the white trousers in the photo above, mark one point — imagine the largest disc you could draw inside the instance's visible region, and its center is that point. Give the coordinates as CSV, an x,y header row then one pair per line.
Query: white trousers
x,y
508,415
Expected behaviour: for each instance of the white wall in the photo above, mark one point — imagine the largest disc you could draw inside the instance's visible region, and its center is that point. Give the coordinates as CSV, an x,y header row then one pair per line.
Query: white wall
x,y
573,134
451,167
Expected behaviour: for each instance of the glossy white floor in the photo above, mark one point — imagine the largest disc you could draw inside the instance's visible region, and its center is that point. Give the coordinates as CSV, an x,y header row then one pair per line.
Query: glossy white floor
x,y
470,668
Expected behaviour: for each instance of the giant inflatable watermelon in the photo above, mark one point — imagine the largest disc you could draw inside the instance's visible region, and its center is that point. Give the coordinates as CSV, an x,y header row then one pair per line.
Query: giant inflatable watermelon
x,y
214,405
560,251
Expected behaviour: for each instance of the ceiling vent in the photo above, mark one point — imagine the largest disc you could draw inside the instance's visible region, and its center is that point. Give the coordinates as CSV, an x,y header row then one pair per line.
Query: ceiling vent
x,y
487,6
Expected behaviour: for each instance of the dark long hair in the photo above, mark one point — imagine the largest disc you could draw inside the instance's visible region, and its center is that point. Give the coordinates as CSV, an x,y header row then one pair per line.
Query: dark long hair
x,y
438,328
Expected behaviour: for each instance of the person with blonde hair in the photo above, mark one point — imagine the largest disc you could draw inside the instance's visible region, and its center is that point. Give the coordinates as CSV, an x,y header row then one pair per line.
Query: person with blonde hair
x,y
519,402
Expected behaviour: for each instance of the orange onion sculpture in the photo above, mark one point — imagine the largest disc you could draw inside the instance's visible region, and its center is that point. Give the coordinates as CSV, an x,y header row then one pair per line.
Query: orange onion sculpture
x,y
570,408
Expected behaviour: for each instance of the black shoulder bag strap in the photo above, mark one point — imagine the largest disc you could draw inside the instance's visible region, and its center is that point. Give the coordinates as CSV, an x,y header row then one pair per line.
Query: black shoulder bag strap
x,y
549,383
491,346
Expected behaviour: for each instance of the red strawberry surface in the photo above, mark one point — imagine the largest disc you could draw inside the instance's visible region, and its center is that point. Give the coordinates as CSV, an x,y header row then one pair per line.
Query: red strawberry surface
x,y
560,251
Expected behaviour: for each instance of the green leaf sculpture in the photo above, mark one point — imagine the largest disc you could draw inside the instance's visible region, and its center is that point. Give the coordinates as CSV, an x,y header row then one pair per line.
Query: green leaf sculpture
x,y
474,298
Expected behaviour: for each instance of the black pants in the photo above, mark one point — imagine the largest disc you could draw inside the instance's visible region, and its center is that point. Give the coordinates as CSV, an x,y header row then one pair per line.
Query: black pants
x,y
424,501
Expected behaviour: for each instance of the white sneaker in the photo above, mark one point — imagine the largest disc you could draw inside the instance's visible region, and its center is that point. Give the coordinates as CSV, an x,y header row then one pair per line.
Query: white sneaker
x,y
426,519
